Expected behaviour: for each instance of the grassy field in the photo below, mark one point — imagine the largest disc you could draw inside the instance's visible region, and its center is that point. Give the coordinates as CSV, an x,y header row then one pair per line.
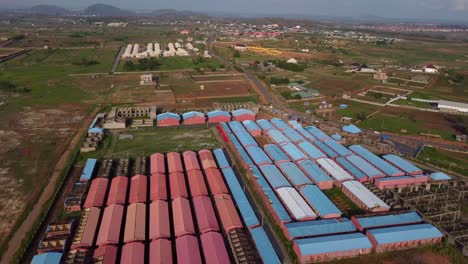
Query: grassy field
x,y
413,103
180,63
354,108
447,160
148,141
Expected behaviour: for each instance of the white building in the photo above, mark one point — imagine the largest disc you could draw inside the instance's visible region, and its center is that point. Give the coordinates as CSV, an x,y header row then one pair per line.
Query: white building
x,y
452,106
240,47
292,61
430,69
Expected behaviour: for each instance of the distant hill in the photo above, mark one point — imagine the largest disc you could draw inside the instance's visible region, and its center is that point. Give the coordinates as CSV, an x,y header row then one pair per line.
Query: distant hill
x,y
103,10
48,10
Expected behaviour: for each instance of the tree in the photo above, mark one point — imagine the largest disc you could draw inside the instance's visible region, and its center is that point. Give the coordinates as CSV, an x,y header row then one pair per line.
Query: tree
x,y
362,116
236,54
129,66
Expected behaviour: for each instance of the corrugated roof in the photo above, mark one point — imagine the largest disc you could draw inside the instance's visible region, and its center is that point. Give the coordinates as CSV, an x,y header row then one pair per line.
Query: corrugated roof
x,y
336,243
405,233
159,226
319,201
214,249
279,123
376,161
306,134
338,148
325,148
264,246
317,133
192,114
182,215
265,124
351,129
47,258
221,158
319,227
245,157
364,166
296,205
245,208
205,214
251,125
87,173
440,176
355,172
294,174
312,151
240,112
334,170
277,137
274,176
293,152
168,115
258,155
188,250
293,135
388,220
366,196
403,164
244,137
276,153
217,113
314,171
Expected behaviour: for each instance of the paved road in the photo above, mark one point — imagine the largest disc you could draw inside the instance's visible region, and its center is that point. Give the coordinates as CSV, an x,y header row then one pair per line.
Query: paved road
x,y
117,59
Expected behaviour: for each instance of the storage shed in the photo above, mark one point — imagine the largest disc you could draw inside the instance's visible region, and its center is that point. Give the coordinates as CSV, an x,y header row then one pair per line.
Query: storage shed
x,y
274,176
47,258
197,183
215,181
177,185
222,159
403,164
167,119
387,220
109,232
190,161
364,198
207,159
160,252
252,128
440,176
294,174
87,228
243,114
205,214
214,249
317,228
183,219
118,191
105,254
88,170
138,189
159,225
135,224
295,204
227,212
97,193
193,118
316,174
218,116
133,253
157,164
264,246
188,250
174,162
321,204
158,187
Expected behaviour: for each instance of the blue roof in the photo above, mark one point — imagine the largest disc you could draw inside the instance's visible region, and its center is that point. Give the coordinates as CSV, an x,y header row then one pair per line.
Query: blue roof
x,y
311,150
405,233
306,134
276,153
47,258
319,201
330,153
364,166
293,152
245,208
279,123
293,135
245,157
440,176
167,115
294,174
226,127
351,129
402,164
239,112
294,124
317,133
355,172
93,123
244,137
88,170
258,155
265,124
95,130
336,136
376,161
264,246
251,125
338,148
278,137
320,227
192,114
314,171
389,220
336,243
274,176
221,158
216,113
278,207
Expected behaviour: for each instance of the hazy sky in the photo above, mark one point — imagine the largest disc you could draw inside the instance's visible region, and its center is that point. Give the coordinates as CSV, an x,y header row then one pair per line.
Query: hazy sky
x,y
384,8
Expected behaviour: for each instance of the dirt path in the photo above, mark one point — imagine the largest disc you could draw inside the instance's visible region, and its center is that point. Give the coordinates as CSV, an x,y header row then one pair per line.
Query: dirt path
x,y
49,190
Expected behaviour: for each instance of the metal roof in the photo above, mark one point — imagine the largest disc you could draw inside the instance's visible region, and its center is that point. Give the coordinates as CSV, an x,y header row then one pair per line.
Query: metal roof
x,y
167,115
338,148
440,176
376,161
221,158
296,205
245,208
336,243
274,176
311,150
314,171
258,155
245,157
265,124
293,152
325,148
275,153
279,123
239,112
364,166
251,125
363,194
403,164
351,129
294,174
306,134
317,133
216,113
264,246
88,170
322,205
293,135
405,233
388,220
192,114
358,174
334,170
47,258
244,137
320,227
278,137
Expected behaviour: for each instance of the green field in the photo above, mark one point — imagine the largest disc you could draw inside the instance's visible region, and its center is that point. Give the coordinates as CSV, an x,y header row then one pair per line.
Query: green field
x,y
355,108
180,63
413,103
447,160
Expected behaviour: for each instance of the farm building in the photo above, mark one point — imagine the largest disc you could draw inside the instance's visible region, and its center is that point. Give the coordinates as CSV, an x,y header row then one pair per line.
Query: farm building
x,y
138,187
352,169
188,250
265,125
118,191
312,151
135,224
223,161
440,176
97,193
158,190
274,176
183,220
264,246
317,228
252,128
157,164
387,220
109,231
370,171
88,170
159,219
207,159
167,119
205,214
190,161
316,174
197,183
293,152
338,174
363,197
376,161
227,212
133,253
218,116
403,164
193,118
105,254
295,204
351,129
243,114
321,204
177,185
452,106
399,182
277,137
258,155
275,153
87,228
160,252
214,249
47,258
294,174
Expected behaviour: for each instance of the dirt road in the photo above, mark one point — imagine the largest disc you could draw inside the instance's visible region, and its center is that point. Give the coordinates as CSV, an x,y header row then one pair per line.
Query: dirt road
x,y
15,242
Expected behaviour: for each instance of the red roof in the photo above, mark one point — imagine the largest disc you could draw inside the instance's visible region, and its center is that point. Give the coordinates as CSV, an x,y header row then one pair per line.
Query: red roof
x,y
97,193
118,190
159,226
174,162
157,164
138,189
207,159
183,220
160,252
431,66
158,187
188,251
135,224
216,181
191,161
105,255
89,227
133,253
109,231
177,184
214,248
227,212
205,214
197,183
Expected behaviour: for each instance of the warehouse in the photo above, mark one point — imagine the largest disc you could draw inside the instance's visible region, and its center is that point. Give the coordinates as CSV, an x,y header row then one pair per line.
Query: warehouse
x,y
215,181
338,148
223,162
402,237
364,198
252,128
47,258
336,172
205,214
387,220
188,250
351,169
177,185
400,182
274,176
194,118
227,212
157,164
317,228
218,116
403,164
106,254
320,202
118,191
138,189
265,125
133,253
159,226
331,247
279,123
214,248
174,162
182,215
207,159
326,149
311,151
294,174
190,161
160,252
197,183
85,232
168,119
243,114
158,190
97,193
88,170
135,224
293,135
317,133
295,204
264,246
316,174
258,155
275,153
277,137
293,152
109,232
306,134
370,171
376,161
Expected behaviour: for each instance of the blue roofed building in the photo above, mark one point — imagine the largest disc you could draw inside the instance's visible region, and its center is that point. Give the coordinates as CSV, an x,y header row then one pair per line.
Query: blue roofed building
x,y
264,246
316,228
321,204
387,220
47,258
88,170
351,129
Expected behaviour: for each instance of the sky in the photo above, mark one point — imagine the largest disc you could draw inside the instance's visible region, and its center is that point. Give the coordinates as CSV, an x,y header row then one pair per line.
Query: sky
x,y
419,9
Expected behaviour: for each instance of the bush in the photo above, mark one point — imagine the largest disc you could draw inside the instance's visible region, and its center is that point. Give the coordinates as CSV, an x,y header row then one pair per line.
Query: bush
x,y
238,68
236,54
286,95
291,66
142,65
85,62
7,86
279,80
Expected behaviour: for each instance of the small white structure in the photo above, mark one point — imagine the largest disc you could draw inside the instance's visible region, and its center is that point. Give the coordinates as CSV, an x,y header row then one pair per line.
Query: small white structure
x,y
147,79
292,61
181,52
240,47
430,69
452,106
128,51
206,55
136,50
189,46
